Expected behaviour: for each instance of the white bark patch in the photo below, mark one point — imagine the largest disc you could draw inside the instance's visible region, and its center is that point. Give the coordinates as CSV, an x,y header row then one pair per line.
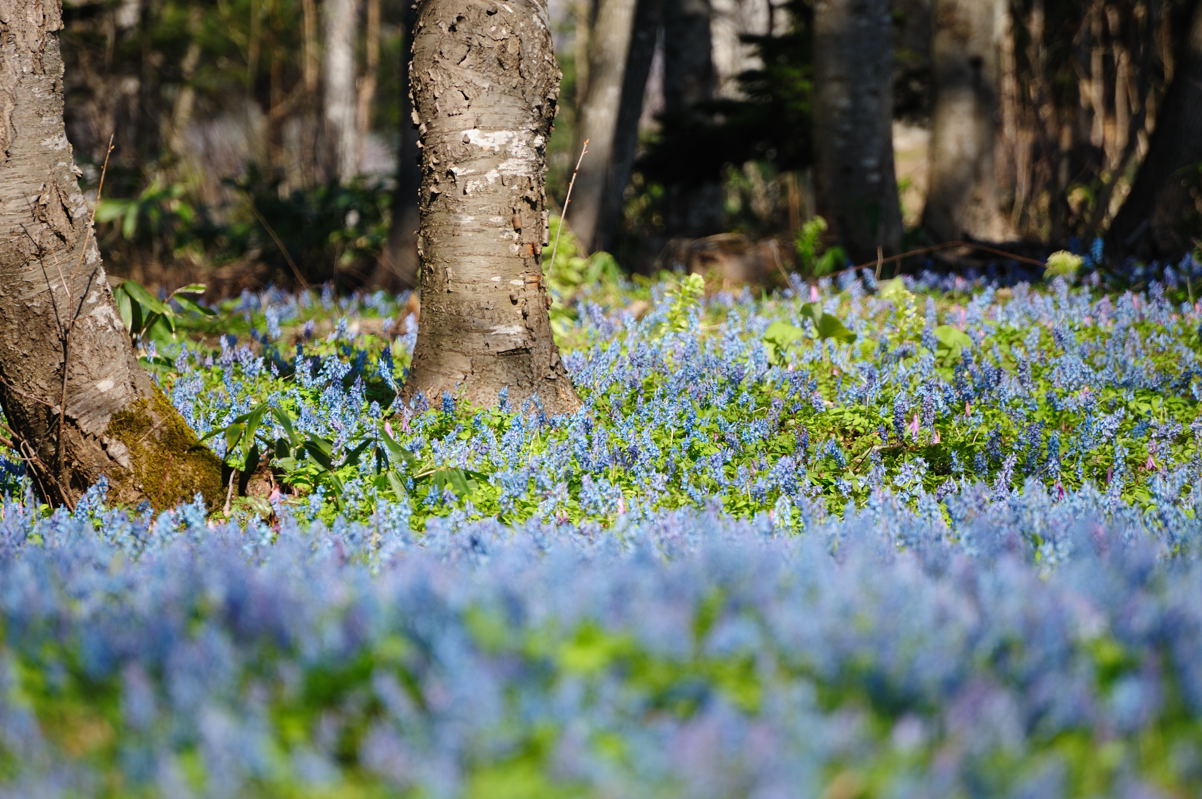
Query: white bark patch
x,y
105,386
105,312
493,140
508,330
514,166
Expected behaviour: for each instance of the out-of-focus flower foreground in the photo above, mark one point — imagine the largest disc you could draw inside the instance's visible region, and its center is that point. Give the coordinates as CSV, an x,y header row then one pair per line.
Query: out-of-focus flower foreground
x,y
916,538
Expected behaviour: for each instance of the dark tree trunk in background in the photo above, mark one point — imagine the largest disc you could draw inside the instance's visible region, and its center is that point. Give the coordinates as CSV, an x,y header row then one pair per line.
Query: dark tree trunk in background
x,y
692,208
115,422
485,86
340,19
853,115
963,194
622,43
397,268
1167,185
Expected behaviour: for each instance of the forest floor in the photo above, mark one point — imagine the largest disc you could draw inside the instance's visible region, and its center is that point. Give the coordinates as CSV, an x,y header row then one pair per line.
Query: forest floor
x,y
930,537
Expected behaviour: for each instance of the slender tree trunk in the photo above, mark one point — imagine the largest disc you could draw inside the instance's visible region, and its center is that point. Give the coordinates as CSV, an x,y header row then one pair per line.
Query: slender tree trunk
x,y
694,207
630,114
610,42
963,194
485,87
397,267
1168,180
853,116
342,134
368,82
106,418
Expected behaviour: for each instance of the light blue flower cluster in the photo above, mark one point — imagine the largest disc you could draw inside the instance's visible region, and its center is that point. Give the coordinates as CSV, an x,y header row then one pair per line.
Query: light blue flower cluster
x,y
986,643
754,564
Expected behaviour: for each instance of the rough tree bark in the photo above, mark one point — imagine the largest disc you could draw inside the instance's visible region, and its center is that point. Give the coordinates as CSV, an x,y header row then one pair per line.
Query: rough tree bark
x,y
106,417
485,86
963,198
1167,183
397,266
853,115
340,18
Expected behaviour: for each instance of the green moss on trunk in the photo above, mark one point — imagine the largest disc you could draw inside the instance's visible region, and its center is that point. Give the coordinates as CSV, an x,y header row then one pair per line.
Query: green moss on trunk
x,y
168,464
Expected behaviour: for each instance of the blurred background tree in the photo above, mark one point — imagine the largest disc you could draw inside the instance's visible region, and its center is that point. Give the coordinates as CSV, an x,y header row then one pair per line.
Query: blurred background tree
x,y
269,140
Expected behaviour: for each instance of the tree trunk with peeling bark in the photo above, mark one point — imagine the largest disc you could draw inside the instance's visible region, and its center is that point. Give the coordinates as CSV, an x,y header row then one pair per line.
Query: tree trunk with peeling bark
x,y
485,86
964,196
105,417
853,124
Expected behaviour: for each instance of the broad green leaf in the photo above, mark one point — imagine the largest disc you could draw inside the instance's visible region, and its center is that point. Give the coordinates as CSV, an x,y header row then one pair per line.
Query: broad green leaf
x,y
952,337
831,327
783,334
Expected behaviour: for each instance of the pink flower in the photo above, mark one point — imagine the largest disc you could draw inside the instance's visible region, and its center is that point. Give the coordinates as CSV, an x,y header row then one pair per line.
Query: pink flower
x,y
912,427
813,293
621,504
935,437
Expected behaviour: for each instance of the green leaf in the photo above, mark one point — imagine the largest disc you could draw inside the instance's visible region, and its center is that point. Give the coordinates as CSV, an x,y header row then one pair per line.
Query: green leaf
x,y
124,307
108,210
194,307
233,436
321,450
396,483
141,296
783,334
352,457
129,225
953,338
831,327
252,458
893,289
395,451
285,420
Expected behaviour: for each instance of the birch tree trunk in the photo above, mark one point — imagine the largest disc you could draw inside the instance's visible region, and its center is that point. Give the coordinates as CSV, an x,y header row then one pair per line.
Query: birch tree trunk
x,y
485,86
1167,184
853,117
963,195
74,396
339,106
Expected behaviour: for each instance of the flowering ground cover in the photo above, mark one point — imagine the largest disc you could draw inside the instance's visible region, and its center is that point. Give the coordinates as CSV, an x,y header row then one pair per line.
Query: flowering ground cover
x,y
915,538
